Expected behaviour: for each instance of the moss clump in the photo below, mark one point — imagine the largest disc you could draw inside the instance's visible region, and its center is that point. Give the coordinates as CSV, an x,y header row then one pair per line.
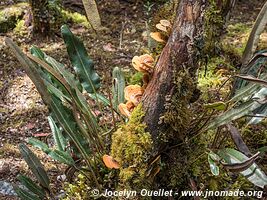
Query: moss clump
x,y
136,79
214,23
78,190
10,15
177,115
20,28
131,146
234,42
76,18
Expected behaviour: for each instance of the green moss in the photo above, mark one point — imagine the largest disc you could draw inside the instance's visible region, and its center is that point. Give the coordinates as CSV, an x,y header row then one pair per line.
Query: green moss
x,y
78,190
177,115
10,15
214,23
131,146
136,79
211,77
234,42
20,28
76,18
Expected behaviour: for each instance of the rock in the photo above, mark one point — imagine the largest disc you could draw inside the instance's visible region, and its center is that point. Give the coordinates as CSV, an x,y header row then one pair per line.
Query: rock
x,y
7,189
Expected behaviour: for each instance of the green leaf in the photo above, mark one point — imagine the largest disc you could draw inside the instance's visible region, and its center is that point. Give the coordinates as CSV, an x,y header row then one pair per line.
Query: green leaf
x,y
254,36
29,184
100,97
233,114
80,60
68,76
254,174
62,157
39,144
118,85
67,122
35,165
213,166
217,105
25,195
59,139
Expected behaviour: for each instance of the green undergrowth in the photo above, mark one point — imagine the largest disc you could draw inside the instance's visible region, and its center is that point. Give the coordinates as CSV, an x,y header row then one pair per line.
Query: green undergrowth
x,y
214,75
20,28
9,16
131,145
234,42
75,18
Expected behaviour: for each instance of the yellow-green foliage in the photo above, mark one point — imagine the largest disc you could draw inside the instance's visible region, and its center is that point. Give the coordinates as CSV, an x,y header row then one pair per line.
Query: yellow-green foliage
x,y
236,38
177,114
136,79
78,190
20,28
76,18
131,146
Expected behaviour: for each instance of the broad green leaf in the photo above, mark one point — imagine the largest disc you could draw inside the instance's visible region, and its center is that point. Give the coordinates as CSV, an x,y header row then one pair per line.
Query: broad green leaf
x,y
39,144
118,85
67,122
77,96
35,165
213,166
62,157
57,92
217,105
69,77
33,187
59,139
80,60
37,52
100,97
25,195
245,92
254,174
233,114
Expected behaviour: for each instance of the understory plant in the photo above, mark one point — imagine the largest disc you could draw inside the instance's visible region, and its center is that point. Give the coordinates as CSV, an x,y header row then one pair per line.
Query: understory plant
x,y
72,99
247,105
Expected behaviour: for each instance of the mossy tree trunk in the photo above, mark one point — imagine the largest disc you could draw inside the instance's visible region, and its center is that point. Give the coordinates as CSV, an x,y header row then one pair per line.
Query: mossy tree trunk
x,y
170,94
40,14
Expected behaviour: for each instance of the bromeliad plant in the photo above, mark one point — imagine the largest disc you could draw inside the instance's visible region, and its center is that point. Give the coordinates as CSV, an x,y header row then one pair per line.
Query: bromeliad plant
x,y
76,131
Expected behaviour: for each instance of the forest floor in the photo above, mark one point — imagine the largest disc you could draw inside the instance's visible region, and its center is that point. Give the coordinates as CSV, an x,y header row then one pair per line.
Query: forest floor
x,y
22,112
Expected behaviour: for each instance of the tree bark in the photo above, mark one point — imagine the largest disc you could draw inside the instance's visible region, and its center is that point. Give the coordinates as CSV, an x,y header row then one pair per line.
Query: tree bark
x,y
178,58
40,14
169,97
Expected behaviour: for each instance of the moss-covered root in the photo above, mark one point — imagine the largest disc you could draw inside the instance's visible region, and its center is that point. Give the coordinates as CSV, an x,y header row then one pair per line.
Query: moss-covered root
x,y
131,146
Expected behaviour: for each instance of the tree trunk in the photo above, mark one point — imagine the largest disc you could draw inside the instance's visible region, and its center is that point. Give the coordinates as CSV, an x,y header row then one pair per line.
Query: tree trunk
x,y
40,14
175,72
169,97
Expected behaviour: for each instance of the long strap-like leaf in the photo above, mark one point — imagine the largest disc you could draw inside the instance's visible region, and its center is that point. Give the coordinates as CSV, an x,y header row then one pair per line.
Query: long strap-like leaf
x,y
254,36
83,65
35,165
